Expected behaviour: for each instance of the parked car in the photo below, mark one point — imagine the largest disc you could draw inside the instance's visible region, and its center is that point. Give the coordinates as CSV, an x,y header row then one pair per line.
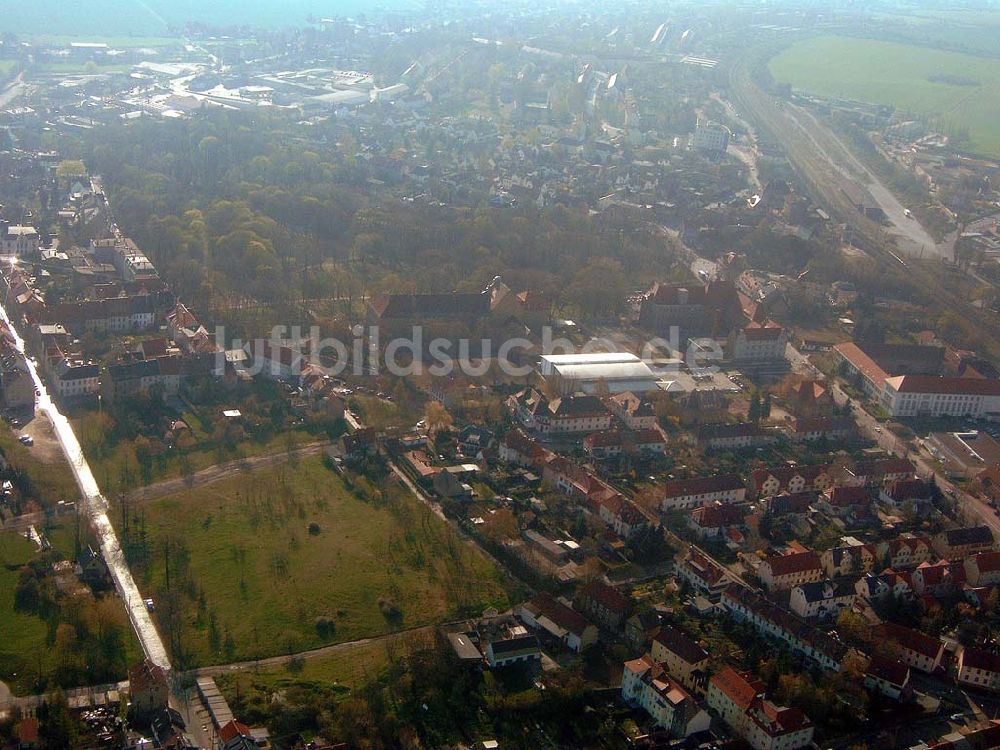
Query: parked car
x,y
26,440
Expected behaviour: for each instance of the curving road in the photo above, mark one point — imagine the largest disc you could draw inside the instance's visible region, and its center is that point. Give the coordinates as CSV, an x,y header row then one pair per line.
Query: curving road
x,y
97,508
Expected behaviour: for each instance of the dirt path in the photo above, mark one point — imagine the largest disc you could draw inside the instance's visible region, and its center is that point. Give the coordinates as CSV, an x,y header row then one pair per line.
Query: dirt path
x,y
225,470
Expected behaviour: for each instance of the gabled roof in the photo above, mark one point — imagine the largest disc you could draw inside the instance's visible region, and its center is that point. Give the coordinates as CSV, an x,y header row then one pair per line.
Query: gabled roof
x,y
717,515
909,639
678,642
566,618
741,689
975,658
702,485
607,597
782,565
968,535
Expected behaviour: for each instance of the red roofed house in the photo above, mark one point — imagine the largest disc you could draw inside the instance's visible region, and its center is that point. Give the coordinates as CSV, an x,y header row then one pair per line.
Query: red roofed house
x,y
635,412
739,701
701,574
683,494
783,572
939,579
27,733
978,669
604,605
518,448
569,626
648,685
889,677
235,735
911,647
791,479
983,569
711,521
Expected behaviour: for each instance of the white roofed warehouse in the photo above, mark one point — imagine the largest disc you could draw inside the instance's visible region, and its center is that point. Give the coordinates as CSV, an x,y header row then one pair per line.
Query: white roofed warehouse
x,y
583,373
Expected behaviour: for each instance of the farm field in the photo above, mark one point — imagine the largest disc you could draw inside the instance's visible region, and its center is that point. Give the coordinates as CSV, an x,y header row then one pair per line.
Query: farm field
x,y
288,558
957,92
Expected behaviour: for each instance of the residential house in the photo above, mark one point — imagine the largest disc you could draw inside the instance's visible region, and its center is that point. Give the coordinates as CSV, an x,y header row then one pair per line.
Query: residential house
x,y
701,574
822,598
847,560
738,699
604,604
882,470
771,621
649,685
713,521
805,429
791,479
911,647
905,552
635,412
517,448
913,495
473,440
613,443
740,436
940,579
957,544
889,677
621,513
983,569
561,416
782,572
978,669
514,648
757,342
684,494
683,657
843,501
798,503
566,625
235,735
884,586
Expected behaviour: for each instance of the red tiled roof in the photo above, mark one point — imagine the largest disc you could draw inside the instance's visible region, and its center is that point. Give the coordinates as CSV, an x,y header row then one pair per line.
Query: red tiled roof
x,y
607,597
232,730
911,640
702,485
862,362
741,689
949,385
782,565
888,670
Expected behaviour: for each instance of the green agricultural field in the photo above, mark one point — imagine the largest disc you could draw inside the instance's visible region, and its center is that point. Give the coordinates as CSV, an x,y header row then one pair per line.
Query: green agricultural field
x,y
959,93
287,559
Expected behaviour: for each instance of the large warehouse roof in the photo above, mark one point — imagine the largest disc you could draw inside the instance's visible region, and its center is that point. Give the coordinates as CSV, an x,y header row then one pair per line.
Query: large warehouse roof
x,y
607,371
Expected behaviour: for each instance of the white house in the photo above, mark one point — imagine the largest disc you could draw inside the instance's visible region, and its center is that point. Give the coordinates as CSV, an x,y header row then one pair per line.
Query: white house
x,y
647,685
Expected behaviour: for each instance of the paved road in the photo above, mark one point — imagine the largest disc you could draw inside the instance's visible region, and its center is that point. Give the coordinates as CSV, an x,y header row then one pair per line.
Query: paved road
x,y
224,470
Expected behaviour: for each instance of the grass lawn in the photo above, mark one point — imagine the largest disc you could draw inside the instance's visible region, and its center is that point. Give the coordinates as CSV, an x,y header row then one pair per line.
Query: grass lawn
x,y
351,667
22,636
243,557
959,92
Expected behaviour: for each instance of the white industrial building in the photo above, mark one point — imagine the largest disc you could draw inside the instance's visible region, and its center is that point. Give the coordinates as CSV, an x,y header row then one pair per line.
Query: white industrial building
x,y
576,373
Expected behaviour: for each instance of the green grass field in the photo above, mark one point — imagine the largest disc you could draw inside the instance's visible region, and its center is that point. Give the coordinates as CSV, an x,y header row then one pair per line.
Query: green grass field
x,y
22,636
120,42
958,92
244,557
352,666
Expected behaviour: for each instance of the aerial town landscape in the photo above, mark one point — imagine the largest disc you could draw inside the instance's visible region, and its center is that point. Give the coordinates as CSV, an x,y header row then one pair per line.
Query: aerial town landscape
x,y
448,375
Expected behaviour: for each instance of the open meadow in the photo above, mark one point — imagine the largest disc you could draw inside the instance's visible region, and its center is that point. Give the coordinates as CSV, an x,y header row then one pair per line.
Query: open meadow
x,y
958,93
289,558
